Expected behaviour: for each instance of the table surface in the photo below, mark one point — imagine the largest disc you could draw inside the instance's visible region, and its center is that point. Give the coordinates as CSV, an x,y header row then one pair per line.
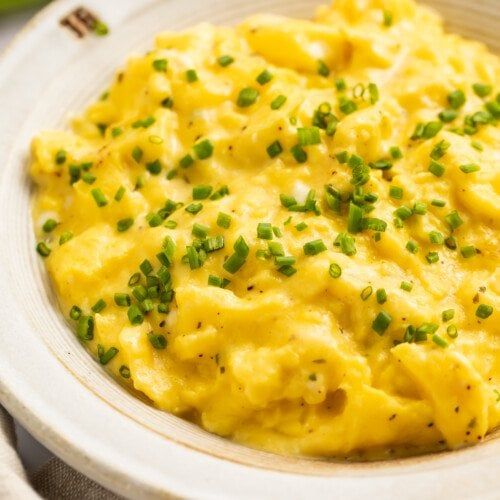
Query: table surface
x,y
32,453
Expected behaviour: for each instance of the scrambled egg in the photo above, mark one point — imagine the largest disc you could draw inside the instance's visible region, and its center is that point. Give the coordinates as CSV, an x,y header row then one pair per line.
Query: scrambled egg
x,y
288,231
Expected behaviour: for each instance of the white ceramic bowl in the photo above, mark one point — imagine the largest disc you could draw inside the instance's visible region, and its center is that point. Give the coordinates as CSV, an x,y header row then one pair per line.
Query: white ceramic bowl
x,y
54,387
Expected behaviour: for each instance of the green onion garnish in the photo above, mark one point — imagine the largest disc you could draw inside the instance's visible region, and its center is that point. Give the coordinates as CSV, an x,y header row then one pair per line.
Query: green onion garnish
x,y
481,89
456,99
124,371
396,153
388,20
60,157
406,286
484,311
99,197
381,295
275,248
374,93
85,328
412,246
106,356
160,65
299,153
137,154
203,149
223,220
278,101
323,69
438,340
452,331
49,225
346,243
381,322
199,230
191,76
308,136
419,208
168,103
186,161
145,123
335,270
287,270
225,60
124,224
218,282
451,243
274,149
194,208
157,341
340,84
314,247
202,192
247,97
122,299
436,168
214,243
374,224
43,249
403,212
264,231
468,251
454,220
264,77
347,106
154,167
438,203
448,115
436,238
65,237
282,260
447,315
354,218
366,293
469,168
396,192
75,313
301,226
432,257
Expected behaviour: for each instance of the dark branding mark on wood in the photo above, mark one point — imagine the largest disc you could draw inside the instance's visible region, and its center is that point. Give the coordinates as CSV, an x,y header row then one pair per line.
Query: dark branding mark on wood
x,y
80,21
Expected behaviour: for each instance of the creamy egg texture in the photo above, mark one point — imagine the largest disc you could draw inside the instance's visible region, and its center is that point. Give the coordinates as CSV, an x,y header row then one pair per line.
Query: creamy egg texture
x,y
288,231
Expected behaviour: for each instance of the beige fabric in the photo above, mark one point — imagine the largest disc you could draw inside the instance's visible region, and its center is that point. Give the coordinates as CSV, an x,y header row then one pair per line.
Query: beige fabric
x,y
55,480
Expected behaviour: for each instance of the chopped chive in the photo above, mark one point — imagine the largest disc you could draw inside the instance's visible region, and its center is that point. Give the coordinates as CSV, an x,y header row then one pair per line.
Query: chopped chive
x,y
335,270
60,157
124,224
308,136
220,193
264,77
340,84
170,224
438,340
75,312
194,208
172,173
299,153
214,243
374,93
282,260
274,149
287,201
406,286
412,246
396,153
186,161
456,99
381,295
43,249
264,231
49,225
477,145
160,65
124,371
388,20
225,60
481,89
85,328
99,197
432,257
223,220
88,178
454,220
346,243
234,263
154,219
146,267
191,76
145,123
381,165
396,192
374,224
436,168
447,315
301,226
452,331
287,270
218,282
403,212
100,28
277,232
276,248
439,150
106,356
419,208
342,157
134,279
199,230
436,238
137,154
122,299
469,168
247,97
314,247
65,237
468,251
381,322
438,203
168,103
484,311
202,192
366,293
323,69
451,243
278,101
347,106
448,115
241,247
157,341
203,149
354,218
193,257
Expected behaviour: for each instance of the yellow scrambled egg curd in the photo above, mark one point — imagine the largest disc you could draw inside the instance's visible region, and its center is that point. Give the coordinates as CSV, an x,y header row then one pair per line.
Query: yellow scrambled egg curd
x,y
288,231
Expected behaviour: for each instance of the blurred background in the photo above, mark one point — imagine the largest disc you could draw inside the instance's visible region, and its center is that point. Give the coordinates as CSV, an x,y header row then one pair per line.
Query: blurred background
x,y
14,14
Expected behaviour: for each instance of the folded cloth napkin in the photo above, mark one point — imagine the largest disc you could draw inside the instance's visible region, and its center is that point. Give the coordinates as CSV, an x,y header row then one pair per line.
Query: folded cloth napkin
x,y
55,480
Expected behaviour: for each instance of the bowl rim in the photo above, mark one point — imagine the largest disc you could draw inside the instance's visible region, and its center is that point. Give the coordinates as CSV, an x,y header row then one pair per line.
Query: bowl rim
x,y
80,447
